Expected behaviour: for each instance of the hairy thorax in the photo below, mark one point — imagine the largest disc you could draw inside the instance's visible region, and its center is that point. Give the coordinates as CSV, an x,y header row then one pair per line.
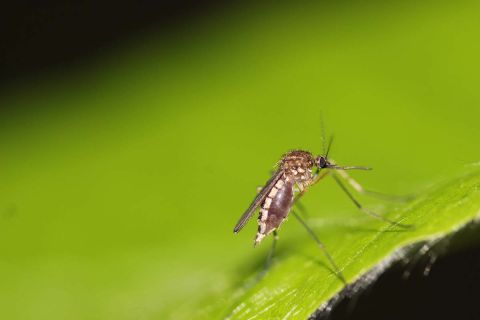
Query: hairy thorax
x,y
298,166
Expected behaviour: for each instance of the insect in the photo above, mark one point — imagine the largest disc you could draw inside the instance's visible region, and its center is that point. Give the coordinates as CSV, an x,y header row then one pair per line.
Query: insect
x,y
296,171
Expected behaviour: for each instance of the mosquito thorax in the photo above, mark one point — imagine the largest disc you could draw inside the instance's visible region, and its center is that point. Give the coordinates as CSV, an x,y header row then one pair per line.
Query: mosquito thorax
x,y
298,164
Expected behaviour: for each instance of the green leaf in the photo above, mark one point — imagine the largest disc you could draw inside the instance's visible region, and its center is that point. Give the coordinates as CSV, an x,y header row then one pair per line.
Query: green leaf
x,y
301,280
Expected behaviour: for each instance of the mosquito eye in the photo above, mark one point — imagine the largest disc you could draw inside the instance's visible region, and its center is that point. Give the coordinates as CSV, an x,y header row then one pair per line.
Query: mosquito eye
x,y
322,162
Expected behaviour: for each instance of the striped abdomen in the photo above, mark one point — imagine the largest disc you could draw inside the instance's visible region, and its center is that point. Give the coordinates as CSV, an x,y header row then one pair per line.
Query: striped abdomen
x,y
275,208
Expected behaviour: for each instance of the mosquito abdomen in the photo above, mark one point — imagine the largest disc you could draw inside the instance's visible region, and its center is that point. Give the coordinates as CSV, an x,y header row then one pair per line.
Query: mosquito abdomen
x,y
275,208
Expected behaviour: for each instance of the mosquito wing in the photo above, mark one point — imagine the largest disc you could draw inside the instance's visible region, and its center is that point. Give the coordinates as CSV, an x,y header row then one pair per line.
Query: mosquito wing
x,y
258,200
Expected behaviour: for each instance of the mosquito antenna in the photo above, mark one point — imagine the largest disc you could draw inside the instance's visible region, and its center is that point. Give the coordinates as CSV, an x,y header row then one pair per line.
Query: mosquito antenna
x,y
324,136
329,145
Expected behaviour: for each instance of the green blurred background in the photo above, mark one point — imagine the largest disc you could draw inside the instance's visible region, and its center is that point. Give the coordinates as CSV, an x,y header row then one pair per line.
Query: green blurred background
x,y
121,178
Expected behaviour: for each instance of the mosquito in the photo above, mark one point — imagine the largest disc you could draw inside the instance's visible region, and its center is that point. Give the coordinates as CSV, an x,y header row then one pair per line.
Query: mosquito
x,y
296,172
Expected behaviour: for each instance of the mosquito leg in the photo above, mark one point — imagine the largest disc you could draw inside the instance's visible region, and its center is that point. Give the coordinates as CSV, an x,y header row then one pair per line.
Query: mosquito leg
x,y
319,177
358,187
321,246
302,210
316,179
296,200
268,263
365,210
271,253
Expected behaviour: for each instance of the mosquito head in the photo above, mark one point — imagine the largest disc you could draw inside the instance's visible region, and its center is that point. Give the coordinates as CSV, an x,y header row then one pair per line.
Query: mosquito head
x,y
322,162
